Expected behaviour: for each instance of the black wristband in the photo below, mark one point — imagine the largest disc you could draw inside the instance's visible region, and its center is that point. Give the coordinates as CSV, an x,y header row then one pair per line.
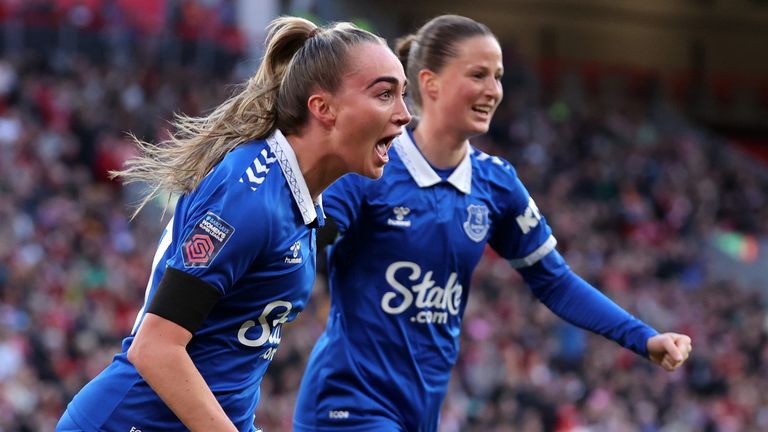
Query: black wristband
x,y
183,299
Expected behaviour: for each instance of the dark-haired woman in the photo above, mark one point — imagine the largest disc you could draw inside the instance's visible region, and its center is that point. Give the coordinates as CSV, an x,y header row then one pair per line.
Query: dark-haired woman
x,y
401,268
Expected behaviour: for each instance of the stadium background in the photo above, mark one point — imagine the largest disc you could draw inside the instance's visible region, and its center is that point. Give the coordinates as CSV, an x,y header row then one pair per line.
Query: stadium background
x,y
641,127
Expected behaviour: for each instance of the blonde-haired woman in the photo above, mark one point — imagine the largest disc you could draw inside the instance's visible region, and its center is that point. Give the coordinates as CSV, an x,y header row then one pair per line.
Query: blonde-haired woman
x,y
238,258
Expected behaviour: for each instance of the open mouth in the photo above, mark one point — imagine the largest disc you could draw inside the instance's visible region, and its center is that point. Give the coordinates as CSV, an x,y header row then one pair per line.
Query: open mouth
x,y
483,109
383,145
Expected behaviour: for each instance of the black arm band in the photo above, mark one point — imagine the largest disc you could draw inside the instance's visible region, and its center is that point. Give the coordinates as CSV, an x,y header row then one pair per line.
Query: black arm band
x,y
183,299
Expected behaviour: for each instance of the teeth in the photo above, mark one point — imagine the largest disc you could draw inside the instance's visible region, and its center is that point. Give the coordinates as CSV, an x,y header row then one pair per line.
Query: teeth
x,y
381,148
383,145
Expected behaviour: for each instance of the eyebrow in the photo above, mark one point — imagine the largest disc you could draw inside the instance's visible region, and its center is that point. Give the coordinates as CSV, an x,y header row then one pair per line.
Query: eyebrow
x,y
390,79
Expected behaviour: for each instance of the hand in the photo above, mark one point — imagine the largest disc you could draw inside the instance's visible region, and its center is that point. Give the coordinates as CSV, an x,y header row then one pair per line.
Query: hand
x,y
669,350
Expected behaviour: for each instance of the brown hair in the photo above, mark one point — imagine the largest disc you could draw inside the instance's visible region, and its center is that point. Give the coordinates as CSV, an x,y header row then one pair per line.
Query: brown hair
x,y
299,57
434,45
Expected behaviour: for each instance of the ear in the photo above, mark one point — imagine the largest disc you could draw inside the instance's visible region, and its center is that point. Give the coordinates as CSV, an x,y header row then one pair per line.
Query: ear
x,y
321,109
429,84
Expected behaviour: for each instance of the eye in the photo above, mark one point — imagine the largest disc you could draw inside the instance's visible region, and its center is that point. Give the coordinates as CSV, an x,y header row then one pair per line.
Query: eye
x,y
480,74
385,95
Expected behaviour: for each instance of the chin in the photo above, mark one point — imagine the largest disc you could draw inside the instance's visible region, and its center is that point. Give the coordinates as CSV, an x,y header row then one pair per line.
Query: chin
x,y
478,128
482,128
372,170
373,173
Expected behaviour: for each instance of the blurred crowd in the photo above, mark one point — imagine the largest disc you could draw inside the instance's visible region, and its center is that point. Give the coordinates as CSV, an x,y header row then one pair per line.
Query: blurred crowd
x,y
632,191
203,33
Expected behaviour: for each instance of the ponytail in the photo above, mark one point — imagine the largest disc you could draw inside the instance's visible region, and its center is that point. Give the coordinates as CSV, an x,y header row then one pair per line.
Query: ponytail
x,y
403,47
298,56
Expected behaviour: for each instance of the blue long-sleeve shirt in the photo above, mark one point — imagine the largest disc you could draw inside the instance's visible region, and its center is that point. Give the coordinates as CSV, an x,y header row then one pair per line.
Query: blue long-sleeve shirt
x,y
400,274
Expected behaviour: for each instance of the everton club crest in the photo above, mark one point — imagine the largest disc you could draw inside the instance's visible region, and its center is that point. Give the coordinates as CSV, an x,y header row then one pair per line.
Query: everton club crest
x,y
477,223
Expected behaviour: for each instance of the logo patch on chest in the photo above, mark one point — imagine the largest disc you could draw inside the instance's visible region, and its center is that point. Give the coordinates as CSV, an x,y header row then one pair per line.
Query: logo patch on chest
x,y
294,257
477,224
205,241
400,217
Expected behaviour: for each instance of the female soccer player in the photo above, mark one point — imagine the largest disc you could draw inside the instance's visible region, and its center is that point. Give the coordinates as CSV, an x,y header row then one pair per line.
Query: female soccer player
x,y
238,258
400,269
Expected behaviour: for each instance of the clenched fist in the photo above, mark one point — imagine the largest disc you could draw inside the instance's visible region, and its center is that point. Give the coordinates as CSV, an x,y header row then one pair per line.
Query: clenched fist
x,y
669,350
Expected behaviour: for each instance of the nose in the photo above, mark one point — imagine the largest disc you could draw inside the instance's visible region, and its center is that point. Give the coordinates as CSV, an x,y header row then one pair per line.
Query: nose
x,y
493,89
401,116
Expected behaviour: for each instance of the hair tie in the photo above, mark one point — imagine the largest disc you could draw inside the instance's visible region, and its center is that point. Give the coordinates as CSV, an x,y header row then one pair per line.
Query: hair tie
x,y
313,32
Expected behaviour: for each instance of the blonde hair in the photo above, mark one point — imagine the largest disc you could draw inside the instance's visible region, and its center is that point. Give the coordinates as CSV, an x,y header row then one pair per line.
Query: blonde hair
x,y
299,57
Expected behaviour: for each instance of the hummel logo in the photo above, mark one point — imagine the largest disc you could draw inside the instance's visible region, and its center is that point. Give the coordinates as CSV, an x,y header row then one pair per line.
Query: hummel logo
x,y
295,248
400,214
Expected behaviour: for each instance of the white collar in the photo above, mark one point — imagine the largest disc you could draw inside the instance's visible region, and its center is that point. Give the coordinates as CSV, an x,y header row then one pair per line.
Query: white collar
x,y
421,170
290,166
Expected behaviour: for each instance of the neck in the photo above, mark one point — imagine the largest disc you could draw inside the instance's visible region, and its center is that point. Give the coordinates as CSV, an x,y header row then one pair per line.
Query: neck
x,y
317,165
441,146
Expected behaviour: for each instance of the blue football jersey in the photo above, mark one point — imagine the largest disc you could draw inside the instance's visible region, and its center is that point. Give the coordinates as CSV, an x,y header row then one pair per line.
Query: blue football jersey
x,y
248,231
399,276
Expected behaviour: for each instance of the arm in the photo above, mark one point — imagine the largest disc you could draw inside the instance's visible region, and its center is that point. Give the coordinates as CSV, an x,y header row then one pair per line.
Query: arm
x,y
581,304
159,354
342,205
343,201
523,236
190,288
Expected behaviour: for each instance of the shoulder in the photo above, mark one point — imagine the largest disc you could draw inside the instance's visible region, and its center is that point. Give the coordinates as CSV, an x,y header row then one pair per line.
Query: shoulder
x,y
491,166
498,178
249,163
242,194
350,191
493,169
244,179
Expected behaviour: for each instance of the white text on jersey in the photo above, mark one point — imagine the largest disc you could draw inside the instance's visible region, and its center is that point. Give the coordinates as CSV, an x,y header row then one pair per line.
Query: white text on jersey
x,y
269,333
530,217
425,295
